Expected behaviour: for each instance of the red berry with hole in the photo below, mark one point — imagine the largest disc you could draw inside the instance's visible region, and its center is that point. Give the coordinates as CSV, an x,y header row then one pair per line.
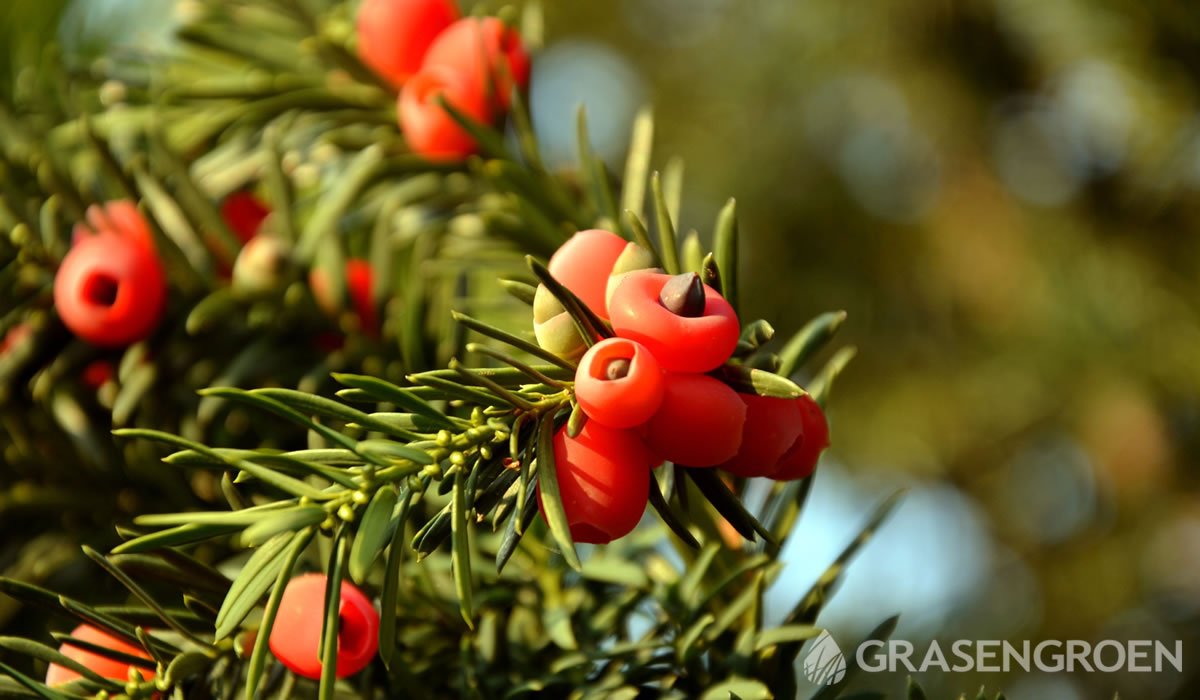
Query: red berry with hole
x,y
296,635
429,129
102,665
488,53
699,423
110,290
583,265
687,325
618,383
772,426
604,481
244,214
801,459
394,35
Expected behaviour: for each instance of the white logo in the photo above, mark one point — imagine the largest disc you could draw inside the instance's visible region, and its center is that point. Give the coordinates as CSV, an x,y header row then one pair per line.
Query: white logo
x,y
824,663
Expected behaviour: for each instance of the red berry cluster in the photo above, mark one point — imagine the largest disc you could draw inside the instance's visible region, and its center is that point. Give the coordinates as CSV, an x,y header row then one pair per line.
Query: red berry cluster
x,y
648,392
426,50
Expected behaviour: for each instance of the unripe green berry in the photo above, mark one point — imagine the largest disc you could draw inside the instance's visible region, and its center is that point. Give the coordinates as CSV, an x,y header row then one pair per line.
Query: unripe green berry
x,y
632,259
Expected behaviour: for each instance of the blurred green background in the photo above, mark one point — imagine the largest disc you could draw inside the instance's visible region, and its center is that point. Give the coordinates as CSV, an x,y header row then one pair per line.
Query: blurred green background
x,y
1004,195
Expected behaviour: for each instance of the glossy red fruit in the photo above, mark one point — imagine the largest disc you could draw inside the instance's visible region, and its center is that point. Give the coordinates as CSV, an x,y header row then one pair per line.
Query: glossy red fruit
x,y
106,667
359,279
772,426
428,128
583,265
119,217
486,51
296,635
618,383
97,373
110,290
801,459
604,481
394,35
699,423
680,343
243,214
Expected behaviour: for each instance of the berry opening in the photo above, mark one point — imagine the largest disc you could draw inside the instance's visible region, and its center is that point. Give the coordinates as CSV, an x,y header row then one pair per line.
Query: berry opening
x,y
427,88
101,289
614,360
617,368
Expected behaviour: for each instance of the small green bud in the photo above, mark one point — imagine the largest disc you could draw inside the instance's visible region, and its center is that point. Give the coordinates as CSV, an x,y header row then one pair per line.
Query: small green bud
x,y
444,438
545,305
633,259
359,498
560,336
457,458
262,267
346,512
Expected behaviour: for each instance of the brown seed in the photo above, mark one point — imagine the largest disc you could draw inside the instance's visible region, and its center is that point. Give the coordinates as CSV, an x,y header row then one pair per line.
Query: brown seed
x,y
683,295
617,368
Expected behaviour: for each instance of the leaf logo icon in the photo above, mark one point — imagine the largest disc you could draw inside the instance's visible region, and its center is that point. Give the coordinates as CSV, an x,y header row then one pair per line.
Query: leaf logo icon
x,y
824,663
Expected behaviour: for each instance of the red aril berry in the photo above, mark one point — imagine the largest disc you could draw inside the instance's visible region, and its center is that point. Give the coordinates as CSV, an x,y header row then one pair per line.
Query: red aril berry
x,y
119,217
394,35
110,290
618,383
296,635
604,481
243,214
429,129
102,665
772,426
359,280
697,334
583,265
485,51
699,423
97,373
801,459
